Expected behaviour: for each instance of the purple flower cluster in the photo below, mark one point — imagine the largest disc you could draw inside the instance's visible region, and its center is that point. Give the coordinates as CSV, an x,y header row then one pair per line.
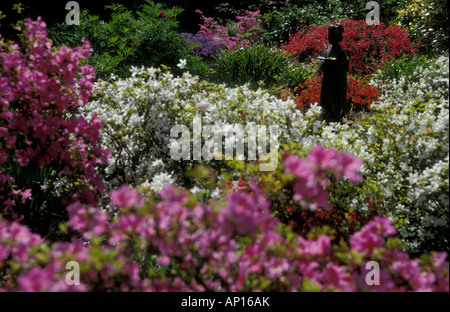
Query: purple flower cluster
x,y
205,45
246,30
23,240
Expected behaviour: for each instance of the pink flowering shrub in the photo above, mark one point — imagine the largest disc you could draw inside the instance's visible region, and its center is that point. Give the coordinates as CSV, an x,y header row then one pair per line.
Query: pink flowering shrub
x,y
180,244
238,34
30,264
311,173
314,193
42,140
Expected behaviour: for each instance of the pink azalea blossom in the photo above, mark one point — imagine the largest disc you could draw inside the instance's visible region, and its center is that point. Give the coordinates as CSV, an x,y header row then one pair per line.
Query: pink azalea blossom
x,y
126,197
372,235
36,280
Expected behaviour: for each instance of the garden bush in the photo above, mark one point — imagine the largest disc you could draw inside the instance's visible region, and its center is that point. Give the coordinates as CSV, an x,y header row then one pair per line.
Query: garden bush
x,y
138,113
427,23
234,34
203,45
48,154
419,127
394,69
366,46
258,66
279,25
148,37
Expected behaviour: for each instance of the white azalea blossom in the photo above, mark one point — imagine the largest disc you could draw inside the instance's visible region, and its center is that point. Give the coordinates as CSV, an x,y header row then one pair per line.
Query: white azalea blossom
x,y
182,64
160,181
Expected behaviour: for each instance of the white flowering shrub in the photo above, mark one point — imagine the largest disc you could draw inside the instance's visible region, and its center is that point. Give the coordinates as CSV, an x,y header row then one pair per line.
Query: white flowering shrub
x,y
403,141
139,112
411,134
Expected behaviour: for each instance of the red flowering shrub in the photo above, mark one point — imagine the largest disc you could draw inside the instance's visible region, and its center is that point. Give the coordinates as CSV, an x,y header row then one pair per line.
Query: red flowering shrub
x,y
360,95
366,45
42,141
308,92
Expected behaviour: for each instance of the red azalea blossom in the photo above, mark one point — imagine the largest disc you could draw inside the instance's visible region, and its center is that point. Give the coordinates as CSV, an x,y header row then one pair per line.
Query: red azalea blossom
x,y
360,95
366,46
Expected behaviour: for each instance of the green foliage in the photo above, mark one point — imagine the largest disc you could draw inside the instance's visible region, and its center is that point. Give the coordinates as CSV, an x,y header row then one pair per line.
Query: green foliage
x,y
405,68
45,210
357,9
148,37
258,66
238,7
280,25
427,23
